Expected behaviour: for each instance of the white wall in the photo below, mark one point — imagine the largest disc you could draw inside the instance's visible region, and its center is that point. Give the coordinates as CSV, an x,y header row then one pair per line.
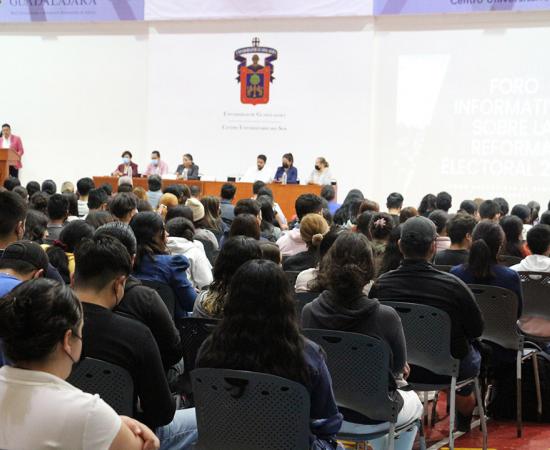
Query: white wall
x,y
385,102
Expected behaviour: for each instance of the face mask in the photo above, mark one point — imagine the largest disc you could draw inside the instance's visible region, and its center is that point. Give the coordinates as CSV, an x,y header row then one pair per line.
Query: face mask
x,y
286,165
317,167
155,162
126,160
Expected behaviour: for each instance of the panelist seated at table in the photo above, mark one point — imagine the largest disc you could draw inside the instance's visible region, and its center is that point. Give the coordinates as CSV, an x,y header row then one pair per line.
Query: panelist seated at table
x,y
259,172
157,166
127,168
321,174
188,170
287,173
13,142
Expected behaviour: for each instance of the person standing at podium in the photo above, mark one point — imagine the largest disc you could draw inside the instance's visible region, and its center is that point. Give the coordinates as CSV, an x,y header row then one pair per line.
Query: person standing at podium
x,y
13,142
127,168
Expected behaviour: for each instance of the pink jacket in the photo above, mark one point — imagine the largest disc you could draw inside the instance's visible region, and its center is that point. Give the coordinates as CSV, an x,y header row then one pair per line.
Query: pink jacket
x,y
161,169
17,146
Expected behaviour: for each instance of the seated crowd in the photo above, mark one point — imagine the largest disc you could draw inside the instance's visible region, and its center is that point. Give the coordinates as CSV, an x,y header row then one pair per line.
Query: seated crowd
x,y
90,273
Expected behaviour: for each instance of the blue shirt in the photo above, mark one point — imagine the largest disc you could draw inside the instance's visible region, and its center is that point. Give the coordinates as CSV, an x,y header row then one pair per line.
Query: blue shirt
x,y
333,207
291,174
7,283
170,270
503,277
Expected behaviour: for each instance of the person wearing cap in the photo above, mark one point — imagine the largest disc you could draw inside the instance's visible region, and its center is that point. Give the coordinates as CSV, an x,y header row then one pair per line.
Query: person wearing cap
x,y
21,261
417,281
201,233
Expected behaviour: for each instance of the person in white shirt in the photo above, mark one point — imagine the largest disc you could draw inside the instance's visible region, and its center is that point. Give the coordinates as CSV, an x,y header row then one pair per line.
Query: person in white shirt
x,y
180,242
41,327
321,175
260,172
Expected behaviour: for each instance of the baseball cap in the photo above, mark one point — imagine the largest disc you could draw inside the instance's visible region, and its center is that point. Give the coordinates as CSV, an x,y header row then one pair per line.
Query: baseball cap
x,y
27,251
418,230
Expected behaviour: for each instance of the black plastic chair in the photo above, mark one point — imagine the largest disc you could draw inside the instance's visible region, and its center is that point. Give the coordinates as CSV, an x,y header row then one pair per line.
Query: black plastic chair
x,y
443,268
113,383
499,307
239,410
359,366
428,335
209,249
508,261
536,296
303,298
165,292
193,332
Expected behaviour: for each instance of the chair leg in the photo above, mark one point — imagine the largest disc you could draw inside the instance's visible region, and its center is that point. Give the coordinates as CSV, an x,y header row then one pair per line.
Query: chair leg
x,y
391,437
434,408
519,418
426,408
481,409
452,413
537,385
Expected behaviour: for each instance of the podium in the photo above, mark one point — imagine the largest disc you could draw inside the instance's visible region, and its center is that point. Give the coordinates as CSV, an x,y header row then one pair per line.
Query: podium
x,y
8,157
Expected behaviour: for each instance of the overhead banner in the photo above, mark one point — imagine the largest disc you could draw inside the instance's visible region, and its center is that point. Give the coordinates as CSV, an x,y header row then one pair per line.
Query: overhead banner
x,y
235,9
405,7
70,10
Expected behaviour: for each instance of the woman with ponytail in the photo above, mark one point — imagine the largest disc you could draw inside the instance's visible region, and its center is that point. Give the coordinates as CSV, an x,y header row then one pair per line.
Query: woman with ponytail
x,y
313,228
344,273
380,228
41,330
482,266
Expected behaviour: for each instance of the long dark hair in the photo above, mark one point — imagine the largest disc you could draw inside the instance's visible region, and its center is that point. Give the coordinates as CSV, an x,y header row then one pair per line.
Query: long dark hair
x,y
427,205
392,255
36,225
259,331
512,226
487,240
148,228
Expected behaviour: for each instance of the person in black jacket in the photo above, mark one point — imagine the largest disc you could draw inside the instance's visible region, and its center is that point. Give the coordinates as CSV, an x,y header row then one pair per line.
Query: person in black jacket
x,y
344,272
417,281
102,268
145,304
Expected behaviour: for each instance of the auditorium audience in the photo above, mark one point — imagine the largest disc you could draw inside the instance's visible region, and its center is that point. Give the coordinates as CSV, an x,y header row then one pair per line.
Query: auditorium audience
x,y
313,228
123,207
73,206
181,241
102,268
125,184
440,219
235,252
154,263
67,187
482,266
154,184
513,230
369,205
181,191
347,214
21,261
201,232
98,200
362,224
502,205
227,194
260,305
268,229
36,226
99,218
188,170
49,187
10,183
329,194
41,328
58,211
427,205
156,166
407,213
545,218
271,252
180,211
392,256
443,201
127,168
22,192
140,193
212,217
346,270
469,207
535,210
394,203
83,187
143,303
524,214
245,225
287,173
380,227
280,218
490,210
459,229
417,281
39,202
321,173
32,188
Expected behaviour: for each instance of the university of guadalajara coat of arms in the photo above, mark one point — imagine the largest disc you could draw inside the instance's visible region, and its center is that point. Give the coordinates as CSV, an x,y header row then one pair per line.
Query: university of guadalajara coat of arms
x,y
254,77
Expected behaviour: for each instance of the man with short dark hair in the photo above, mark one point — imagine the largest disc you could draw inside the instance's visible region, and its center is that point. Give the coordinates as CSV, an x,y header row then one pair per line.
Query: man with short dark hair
x,y
444,201
83,188
503,206
259,172
394,203
156,166
227,195
58,211
98,200
417,281
459,229
21,261
291,243
124,207
102,268
329,194
469,207
11,183
489,210
154,184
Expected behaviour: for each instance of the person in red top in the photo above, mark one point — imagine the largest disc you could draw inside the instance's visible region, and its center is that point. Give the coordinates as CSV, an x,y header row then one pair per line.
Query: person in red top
x,y
127,168
8,140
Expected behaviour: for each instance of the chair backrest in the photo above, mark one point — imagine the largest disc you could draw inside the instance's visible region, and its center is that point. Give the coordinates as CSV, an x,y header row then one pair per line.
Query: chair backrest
x,y
209,249
193,332
359,366
113,383
536,294
428,336
165,292
443,268
239,410
291,276
508,261
303,298
499,308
